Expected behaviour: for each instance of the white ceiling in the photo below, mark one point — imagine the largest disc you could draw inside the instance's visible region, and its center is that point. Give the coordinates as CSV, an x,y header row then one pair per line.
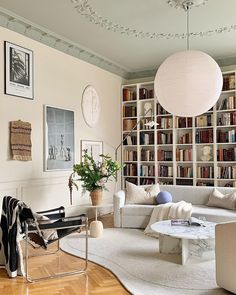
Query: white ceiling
x,y
134,54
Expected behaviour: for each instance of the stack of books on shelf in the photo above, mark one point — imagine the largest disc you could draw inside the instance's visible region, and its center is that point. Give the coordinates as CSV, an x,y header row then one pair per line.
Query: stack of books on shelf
x,y
165,171
181,122
164,138
205,172
226,154
183,171
226,136
204,136
129,124
228,103
147,170
129,111
228,82
165,123
182,181
147,155
129,94
164,155
129,155
146,93
130,170
146,138
226,119
161,111
186,138
184,155
204,120
130,140
228,172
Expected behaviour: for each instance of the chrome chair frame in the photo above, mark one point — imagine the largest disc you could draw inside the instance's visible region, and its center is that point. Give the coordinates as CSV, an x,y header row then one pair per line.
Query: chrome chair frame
x,y
77,222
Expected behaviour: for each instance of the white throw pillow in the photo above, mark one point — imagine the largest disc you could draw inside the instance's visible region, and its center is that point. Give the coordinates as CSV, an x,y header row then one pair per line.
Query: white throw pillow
x,y
141,195
217,199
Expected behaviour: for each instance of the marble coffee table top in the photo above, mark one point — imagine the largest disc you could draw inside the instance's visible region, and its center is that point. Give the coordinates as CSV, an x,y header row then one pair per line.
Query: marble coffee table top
x,y
185,232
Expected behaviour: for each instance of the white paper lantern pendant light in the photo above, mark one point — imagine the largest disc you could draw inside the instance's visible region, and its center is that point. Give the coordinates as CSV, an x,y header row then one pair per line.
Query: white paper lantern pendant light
x,y
188,83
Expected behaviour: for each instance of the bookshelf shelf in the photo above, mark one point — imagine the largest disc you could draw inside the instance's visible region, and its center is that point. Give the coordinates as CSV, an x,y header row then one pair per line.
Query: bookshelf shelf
x,y
175,147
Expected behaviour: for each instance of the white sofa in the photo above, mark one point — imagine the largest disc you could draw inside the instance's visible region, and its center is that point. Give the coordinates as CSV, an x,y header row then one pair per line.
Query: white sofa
x,y
137,216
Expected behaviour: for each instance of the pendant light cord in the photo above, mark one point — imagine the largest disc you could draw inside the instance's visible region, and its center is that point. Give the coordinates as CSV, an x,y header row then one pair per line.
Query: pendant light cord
x,y
187,10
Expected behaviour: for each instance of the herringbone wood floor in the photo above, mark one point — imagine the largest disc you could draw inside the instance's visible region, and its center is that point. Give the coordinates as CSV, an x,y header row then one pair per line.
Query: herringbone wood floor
x,y
98,281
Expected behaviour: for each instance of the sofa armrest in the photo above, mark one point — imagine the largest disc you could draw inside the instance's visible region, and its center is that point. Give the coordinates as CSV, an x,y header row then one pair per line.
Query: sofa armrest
x,y
118,203
225,248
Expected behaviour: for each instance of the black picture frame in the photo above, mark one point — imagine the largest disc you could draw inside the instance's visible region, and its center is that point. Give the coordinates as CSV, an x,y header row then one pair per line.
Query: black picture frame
x,y
19,75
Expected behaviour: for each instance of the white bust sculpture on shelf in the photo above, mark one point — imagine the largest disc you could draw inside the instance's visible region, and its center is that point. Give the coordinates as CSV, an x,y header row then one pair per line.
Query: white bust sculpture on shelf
x,y
206,153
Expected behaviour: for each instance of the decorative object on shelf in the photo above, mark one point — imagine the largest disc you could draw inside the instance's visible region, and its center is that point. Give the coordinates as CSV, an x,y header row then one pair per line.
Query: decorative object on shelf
x,y
90,106
20,140
94,149
192,76
94,175
59,138
206,153
18,71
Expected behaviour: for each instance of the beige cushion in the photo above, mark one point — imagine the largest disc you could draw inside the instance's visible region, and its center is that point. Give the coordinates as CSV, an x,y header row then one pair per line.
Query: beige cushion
x,y
141,195
217,199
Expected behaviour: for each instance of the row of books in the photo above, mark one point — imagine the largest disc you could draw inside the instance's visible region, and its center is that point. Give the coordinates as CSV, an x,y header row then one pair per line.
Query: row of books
x,y
205,172
146,93
228,103
228,82
181,122
129,124
129,111
130,140
142,125
184,154
164,155
186,138
146,181
130,170
164,123
165,171
161,110
129,155
204,120
183,171
228,172
204,183
147,170
164,138
204,136
228,154
226,119
147,155
226,136
129,94
146,138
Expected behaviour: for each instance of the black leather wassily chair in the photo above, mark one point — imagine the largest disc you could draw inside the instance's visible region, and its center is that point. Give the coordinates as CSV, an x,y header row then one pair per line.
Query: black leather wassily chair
x,y
58,226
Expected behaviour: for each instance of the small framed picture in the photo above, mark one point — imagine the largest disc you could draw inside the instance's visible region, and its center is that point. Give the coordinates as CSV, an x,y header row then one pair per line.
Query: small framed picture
x,y
59,138
94,148
18,71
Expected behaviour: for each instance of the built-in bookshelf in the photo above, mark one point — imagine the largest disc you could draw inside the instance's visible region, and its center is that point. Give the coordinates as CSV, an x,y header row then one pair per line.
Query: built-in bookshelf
x,y
197,151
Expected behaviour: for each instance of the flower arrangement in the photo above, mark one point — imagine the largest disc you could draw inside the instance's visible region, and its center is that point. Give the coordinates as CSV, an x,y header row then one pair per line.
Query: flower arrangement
x,y
94,175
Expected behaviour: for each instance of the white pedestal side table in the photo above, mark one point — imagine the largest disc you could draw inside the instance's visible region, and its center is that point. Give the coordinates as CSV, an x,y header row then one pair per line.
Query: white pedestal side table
x,y
96,226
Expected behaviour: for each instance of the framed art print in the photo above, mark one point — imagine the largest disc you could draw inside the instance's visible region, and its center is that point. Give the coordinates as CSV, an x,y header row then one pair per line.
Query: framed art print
x,y
59,138
94,148
18,71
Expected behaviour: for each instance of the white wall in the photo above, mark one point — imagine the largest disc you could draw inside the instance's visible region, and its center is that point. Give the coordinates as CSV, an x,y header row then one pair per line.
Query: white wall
x,y
59,80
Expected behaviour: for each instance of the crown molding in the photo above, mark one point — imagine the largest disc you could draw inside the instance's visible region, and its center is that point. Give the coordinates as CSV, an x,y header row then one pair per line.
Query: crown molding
x,y
20,25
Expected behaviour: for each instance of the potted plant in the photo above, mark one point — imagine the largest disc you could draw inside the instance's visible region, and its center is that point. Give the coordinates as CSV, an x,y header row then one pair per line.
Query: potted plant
x,y
94,175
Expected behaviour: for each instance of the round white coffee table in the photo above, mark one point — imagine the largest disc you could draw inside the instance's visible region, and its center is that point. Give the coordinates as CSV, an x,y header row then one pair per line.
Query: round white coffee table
x,y
96,226
175,238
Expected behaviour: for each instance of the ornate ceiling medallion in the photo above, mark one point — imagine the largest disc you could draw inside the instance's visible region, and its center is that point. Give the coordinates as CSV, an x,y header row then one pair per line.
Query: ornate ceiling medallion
x,y
184,3
85,9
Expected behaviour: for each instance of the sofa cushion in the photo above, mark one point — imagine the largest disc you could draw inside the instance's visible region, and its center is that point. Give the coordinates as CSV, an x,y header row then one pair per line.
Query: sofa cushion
x,y
217,199
141,195
213,214
137,210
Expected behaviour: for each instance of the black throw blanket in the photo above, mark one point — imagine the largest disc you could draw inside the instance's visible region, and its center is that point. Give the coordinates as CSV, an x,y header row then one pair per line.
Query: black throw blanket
x,y
10,250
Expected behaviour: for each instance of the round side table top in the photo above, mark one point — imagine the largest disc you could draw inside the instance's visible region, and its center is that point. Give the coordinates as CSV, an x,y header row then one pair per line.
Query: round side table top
x,y
185,232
